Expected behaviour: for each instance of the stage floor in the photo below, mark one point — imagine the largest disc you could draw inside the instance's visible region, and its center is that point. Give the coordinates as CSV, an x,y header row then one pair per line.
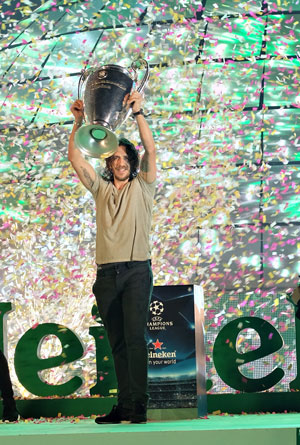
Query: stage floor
x,y
261,429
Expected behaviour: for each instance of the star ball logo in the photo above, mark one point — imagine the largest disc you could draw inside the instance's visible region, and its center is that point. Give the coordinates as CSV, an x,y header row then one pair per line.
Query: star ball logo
x,y
156,308
156,323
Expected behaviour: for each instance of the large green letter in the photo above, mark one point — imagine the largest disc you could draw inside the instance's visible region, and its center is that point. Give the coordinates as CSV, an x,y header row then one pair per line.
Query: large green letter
x,y
5,308
28,363
227,360
295,384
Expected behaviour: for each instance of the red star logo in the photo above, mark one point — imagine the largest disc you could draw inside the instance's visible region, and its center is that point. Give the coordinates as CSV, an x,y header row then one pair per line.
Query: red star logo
x,y
157,344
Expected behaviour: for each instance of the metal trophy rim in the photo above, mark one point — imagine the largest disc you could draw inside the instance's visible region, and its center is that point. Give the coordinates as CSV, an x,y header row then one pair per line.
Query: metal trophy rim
x,y
117,67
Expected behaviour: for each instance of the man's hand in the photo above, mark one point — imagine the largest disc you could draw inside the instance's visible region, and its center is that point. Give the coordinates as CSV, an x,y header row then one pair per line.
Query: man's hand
x,y
77,110
135,99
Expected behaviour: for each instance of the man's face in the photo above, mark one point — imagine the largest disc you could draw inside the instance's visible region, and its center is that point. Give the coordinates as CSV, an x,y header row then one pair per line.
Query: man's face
x,y
120,166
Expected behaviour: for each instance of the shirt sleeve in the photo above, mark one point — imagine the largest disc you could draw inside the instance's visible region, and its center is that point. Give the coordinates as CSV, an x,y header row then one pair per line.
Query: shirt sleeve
x,y
149,188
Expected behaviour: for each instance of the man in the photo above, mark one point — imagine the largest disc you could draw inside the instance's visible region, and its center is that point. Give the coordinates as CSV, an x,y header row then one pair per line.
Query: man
x,y
124,280
10,413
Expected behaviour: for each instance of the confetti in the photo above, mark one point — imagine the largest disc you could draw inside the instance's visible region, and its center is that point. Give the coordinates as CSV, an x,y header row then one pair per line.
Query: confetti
x,y
223,103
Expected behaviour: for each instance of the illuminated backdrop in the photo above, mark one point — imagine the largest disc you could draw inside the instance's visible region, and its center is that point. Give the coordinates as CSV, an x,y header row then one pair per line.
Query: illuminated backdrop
x,y
223,102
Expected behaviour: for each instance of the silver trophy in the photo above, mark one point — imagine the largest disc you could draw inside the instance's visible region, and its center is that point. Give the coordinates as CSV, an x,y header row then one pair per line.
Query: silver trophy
x,y
105,91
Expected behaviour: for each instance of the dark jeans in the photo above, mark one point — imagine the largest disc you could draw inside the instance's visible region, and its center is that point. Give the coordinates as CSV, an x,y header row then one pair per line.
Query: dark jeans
x,y
123,292
5,382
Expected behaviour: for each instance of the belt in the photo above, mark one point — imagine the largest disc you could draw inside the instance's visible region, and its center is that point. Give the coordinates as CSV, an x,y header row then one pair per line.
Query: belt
x,y
122,263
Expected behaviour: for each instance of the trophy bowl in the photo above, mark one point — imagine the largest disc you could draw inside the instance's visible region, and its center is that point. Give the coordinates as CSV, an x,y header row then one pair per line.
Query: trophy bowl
x,y
105,91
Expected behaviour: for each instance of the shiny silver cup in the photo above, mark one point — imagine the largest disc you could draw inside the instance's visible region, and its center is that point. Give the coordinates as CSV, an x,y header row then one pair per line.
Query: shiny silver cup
x,y
104,92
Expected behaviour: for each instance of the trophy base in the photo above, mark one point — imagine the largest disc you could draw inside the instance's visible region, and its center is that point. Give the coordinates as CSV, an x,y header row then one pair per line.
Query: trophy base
x,y
96,141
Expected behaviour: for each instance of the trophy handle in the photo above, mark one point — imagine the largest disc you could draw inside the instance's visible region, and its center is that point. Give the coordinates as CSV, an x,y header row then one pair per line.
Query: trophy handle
x,y
145,79
83,76
143,83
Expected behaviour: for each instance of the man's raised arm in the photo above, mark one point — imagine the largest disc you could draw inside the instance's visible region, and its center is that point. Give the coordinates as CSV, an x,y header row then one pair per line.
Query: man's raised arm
x,y
84,170
148,161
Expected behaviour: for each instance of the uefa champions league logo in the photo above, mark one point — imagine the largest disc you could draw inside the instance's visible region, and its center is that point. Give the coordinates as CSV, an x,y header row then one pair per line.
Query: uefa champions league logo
x,y
156,321
156,308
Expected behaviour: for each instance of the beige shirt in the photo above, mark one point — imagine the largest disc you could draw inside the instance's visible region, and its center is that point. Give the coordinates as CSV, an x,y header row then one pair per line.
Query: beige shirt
x,y
123,219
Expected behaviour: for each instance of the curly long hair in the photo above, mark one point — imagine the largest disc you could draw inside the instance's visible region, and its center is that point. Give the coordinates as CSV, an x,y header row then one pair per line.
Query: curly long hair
x,y
133,159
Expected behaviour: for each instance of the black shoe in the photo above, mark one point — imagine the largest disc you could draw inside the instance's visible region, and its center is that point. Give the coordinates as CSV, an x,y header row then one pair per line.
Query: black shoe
x,y
139,414
118,414
10,413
